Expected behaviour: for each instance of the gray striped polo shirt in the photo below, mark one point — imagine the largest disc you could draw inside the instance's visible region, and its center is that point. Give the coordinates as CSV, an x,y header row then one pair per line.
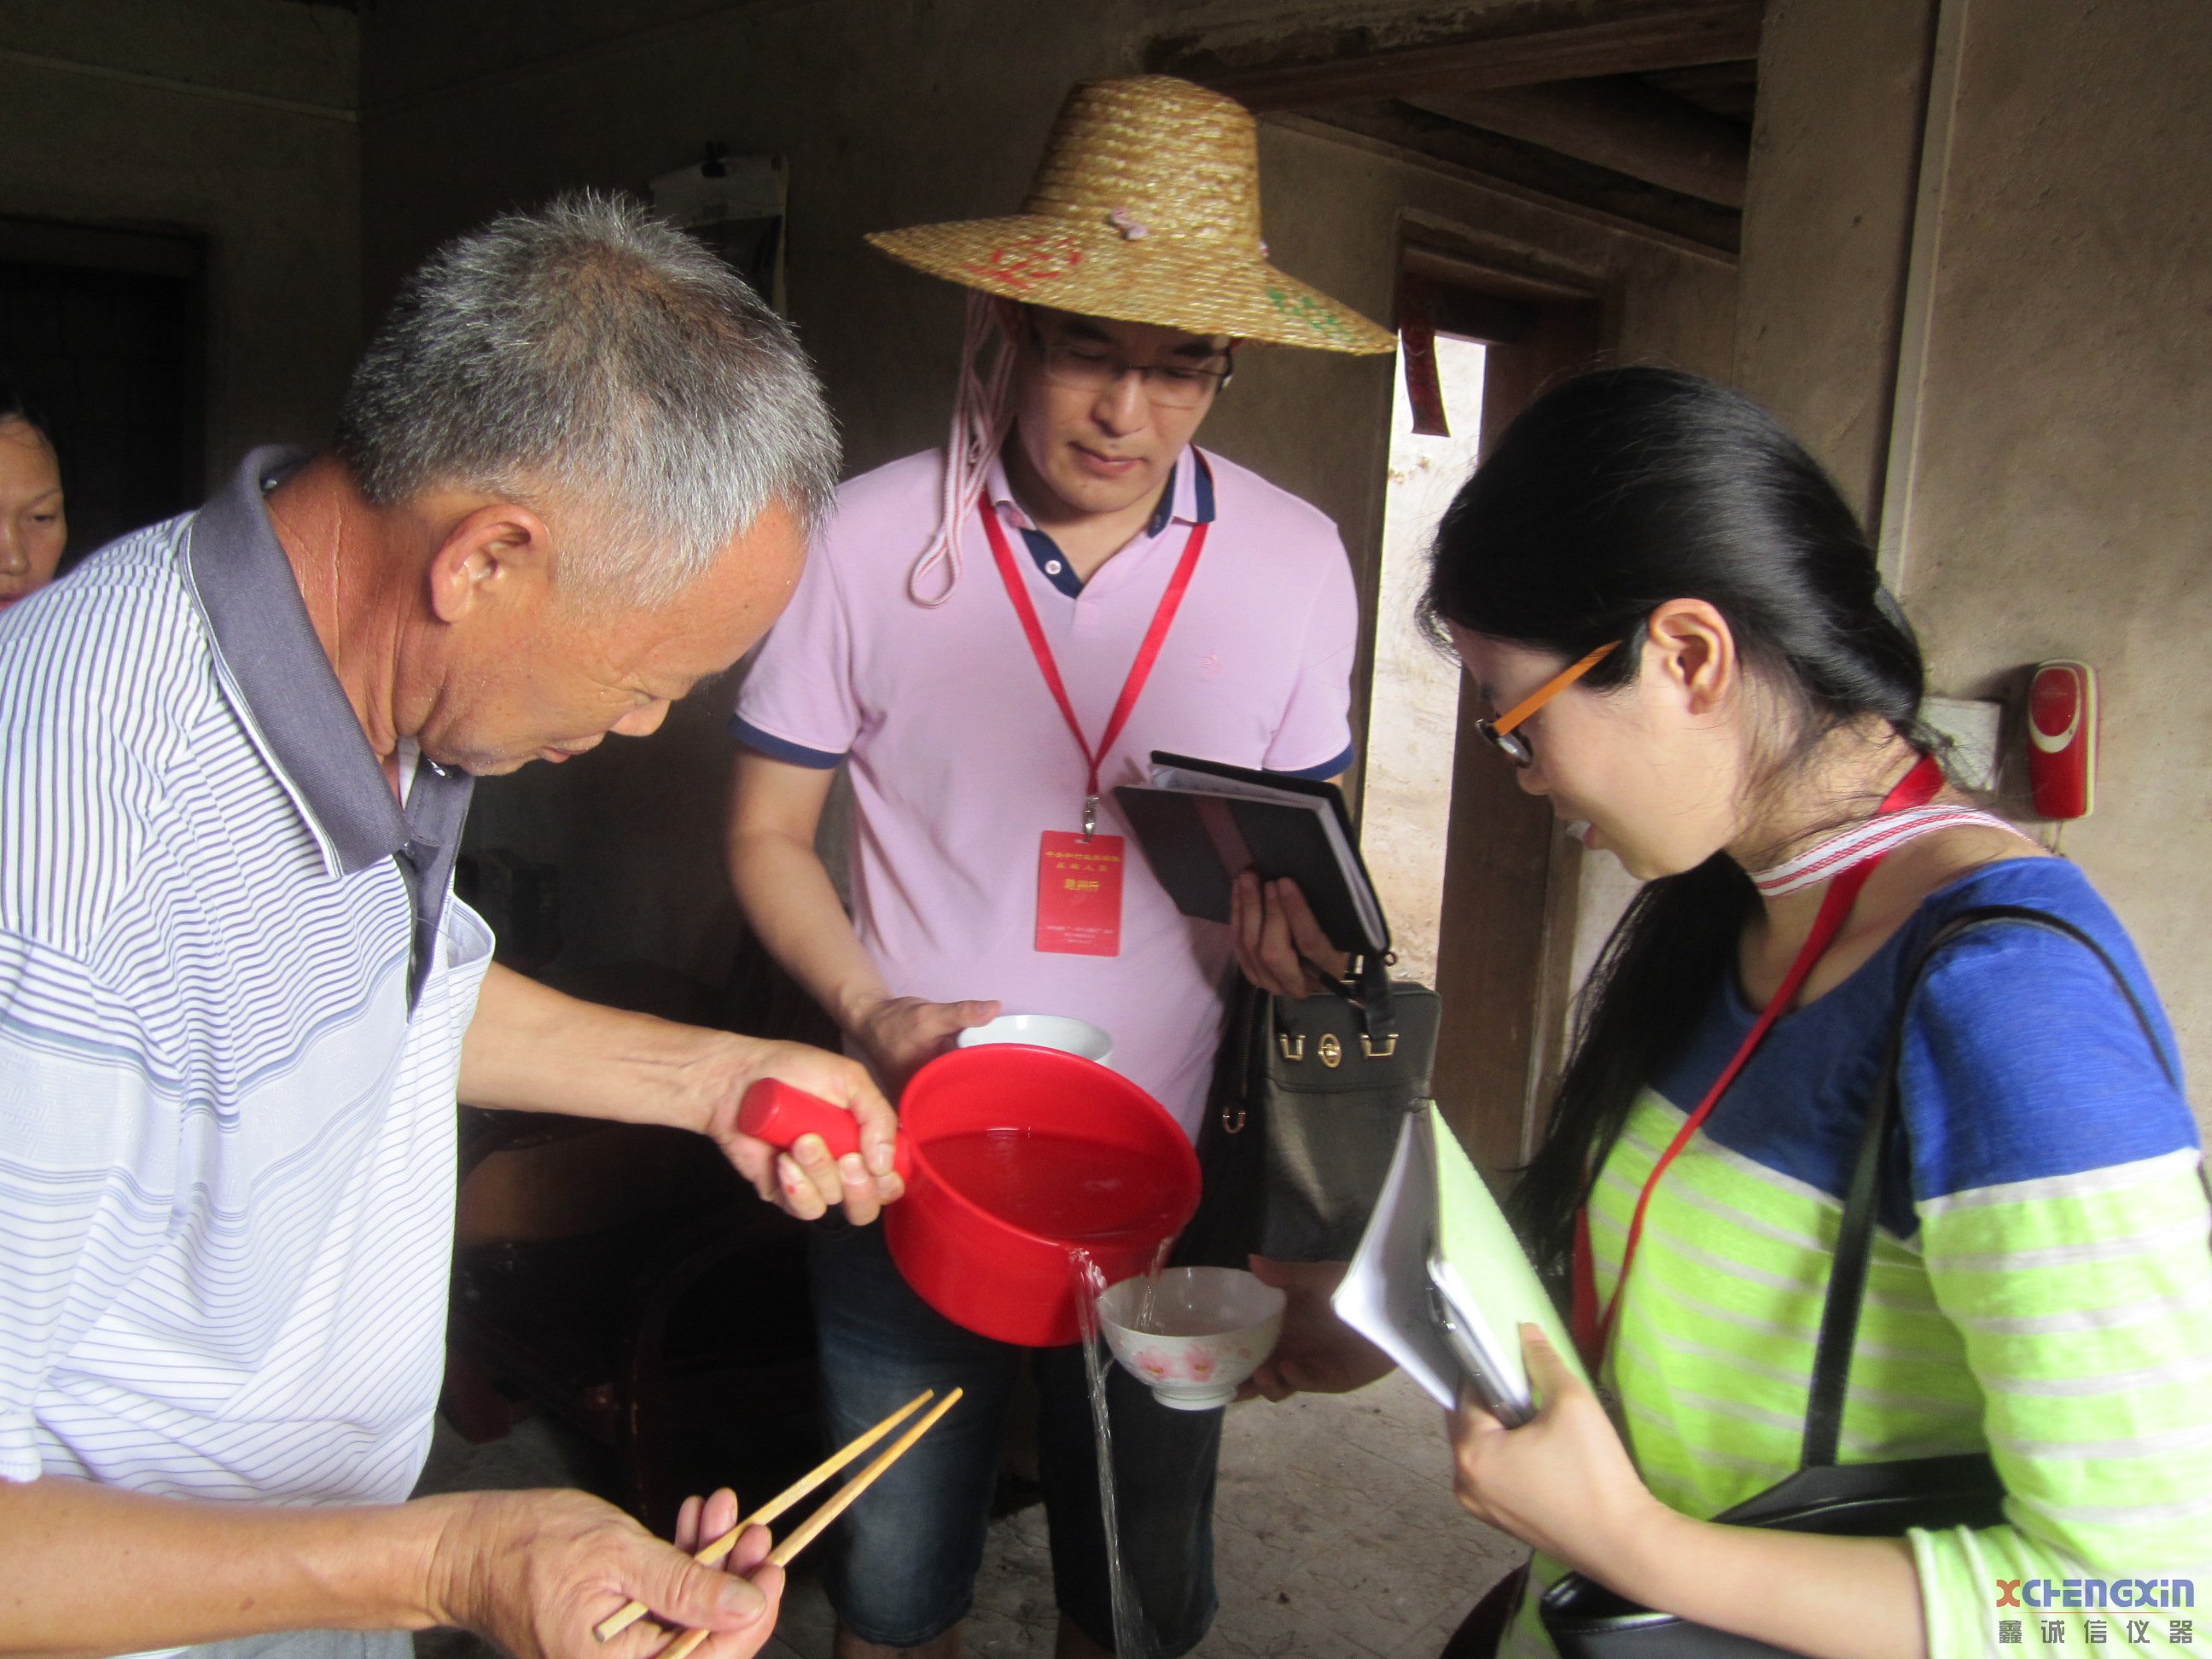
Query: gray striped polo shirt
x,y
232,988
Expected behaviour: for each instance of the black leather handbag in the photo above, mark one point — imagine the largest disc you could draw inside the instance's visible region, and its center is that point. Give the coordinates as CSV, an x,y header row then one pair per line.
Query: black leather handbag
x,y
1309,1095
1860,1500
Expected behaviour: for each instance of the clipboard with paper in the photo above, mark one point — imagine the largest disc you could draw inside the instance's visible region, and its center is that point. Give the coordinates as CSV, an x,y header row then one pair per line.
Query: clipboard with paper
x,y
1440,1282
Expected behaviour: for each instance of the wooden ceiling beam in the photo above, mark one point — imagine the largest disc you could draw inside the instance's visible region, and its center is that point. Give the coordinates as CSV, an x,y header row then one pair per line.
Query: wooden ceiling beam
x,y
1617,122
1676,35
1417,135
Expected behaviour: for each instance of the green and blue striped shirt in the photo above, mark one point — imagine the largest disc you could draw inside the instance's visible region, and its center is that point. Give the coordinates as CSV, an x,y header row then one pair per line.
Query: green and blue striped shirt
x,y
2042,1279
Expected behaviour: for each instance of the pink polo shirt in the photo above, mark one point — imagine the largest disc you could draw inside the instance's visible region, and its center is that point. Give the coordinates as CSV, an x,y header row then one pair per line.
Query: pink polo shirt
x,y
960,759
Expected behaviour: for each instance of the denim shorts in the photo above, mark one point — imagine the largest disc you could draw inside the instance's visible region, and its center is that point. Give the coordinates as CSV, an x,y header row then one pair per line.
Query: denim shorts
x,y
901,1563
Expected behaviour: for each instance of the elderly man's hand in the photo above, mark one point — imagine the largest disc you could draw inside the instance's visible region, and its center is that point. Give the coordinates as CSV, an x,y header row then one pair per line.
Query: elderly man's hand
x,y
533,1572
807,1181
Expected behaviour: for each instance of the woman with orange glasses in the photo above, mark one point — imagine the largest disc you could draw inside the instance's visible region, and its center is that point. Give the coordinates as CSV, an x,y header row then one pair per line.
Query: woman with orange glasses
x,y
1685,628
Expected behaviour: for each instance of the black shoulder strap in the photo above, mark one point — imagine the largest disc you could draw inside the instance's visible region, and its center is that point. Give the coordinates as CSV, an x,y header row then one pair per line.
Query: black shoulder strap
x,y
1839,1318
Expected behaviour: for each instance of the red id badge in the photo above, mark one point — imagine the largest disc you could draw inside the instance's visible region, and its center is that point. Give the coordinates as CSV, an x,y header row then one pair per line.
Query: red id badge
x,y
1079,894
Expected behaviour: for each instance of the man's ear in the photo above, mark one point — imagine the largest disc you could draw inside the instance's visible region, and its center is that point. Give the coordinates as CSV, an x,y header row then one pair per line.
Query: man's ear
x,y
498,552
1693,653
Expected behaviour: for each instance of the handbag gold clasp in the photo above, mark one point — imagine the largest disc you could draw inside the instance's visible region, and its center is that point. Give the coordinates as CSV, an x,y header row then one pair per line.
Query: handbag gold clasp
x,y
1390,1046
1293,1045
1331,1051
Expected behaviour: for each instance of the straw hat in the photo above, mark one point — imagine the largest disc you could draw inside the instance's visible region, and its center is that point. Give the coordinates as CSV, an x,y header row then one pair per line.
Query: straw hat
x,y
1146,208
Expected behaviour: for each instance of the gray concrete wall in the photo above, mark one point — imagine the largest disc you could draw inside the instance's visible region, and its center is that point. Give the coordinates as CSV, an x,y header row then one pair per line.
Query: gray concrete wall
x,y
1827,224
231,121
893,115
2059,505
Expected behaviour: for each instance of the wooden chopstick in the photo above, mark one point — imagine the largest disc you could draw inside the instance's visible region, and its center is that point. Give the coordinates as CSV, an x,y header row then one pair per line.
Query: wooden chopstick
x,y
812,1526
774,1509
616,1622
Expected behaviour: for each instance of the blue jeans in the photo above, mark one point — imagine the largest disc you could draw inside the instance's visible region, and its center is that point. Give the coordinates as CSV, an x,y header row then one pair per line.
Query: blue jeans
x,y
903,1561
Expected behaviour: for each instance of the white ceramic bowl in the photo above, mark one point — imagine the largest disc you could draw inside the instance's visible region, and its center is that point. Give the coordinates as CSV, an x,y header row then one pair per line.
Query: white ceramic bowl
x,y
1074,1036
1210,1328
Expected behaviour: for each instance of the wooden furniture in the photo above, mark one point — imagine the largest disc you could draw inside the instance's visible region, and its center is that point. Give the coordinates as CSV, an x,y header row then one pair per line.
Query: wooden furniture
x,y
681,1342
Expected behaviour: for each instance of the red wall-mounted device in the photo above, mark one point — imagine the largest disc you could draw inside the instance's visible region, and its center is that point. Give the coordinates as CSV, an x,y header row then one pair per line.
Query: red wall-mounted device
x,y
2061,739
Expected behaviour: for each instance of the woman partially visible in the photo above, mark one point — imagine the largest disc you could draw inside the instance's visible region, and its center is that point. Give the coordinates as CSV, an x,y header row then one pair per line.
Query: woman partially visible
x,y
34,529
1722,684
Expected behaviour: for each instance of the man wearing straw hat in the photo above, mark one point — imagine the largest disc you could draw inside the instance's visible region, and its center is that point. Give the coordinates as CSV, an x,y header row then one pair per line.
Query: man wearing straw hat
x,y
991,637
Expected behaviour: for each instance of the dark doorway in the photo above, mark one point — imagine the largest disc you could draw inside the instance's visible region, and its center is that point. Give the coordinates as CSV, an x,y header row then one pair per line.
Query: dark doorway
x,y
103,330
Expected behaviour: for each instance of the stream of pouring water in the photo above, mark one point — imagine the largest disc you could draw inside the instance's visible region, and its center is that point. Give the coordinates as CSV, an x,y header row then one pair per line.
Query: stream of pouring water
x,y
1132,1635
1148,1311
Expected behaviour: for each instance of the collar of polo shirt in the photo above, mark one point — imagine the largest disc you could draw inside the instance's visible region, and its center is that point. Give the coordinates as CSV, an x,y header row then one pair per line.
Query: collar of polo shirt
x,y
1187,496
275,671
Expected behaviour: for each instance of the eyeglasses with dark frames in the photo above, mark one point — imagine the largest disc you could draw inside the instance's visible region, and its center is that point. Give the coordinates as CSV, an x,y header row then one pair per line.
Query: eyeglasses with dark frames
x,y
1501,732
1095,367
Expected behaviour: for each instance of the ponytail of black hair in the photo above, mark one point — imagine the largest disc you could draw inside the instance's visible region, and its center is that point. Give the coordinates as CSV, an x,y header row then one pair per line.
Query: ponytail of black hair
x,y
1614,493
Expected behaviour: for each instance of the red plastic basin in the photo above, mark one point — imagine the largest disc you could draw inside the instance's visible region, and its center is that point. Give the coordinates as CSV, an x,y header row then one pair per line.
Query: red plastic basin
x,y
1013,1159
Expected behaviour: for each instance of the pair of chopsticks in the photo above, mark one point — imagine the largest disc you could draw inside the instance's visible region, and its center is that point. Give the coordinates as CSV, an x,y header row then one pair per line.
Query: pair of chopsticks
x,y
813,1526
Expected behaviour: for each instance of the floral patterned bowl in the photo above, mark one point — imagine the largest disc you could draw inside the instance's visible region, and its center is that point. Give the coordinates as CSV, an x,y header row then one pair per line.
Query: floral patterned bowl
x,y
1209,1329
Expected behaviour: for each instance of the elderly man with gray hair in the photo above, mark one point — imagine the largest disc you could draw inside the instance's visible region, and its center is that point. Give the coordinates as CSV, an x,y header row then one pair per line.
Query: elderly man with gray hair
x,y
576,476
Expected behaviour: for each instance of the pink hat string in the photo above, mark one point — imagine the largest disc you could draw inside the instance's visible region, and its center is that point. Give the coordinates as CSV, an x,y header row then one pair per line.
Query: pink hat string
x,y
981,417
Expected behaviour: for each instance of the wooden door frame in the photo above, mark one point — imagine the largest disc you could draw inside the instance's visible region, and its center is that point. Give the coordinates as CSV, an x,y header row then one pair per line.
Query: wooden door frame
x,y
1511,877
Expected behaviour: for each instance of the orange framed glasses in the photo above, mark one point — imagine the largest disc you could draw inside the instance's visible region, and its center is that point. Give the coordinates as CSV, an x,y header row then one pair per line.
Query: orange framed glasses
x,y
1500,731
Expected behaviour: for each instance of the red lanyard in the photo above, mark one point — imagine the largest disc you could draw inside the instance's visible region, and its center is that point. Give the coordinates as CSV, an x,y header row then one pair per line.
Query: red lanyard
x,y
1140,671
1592,1327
